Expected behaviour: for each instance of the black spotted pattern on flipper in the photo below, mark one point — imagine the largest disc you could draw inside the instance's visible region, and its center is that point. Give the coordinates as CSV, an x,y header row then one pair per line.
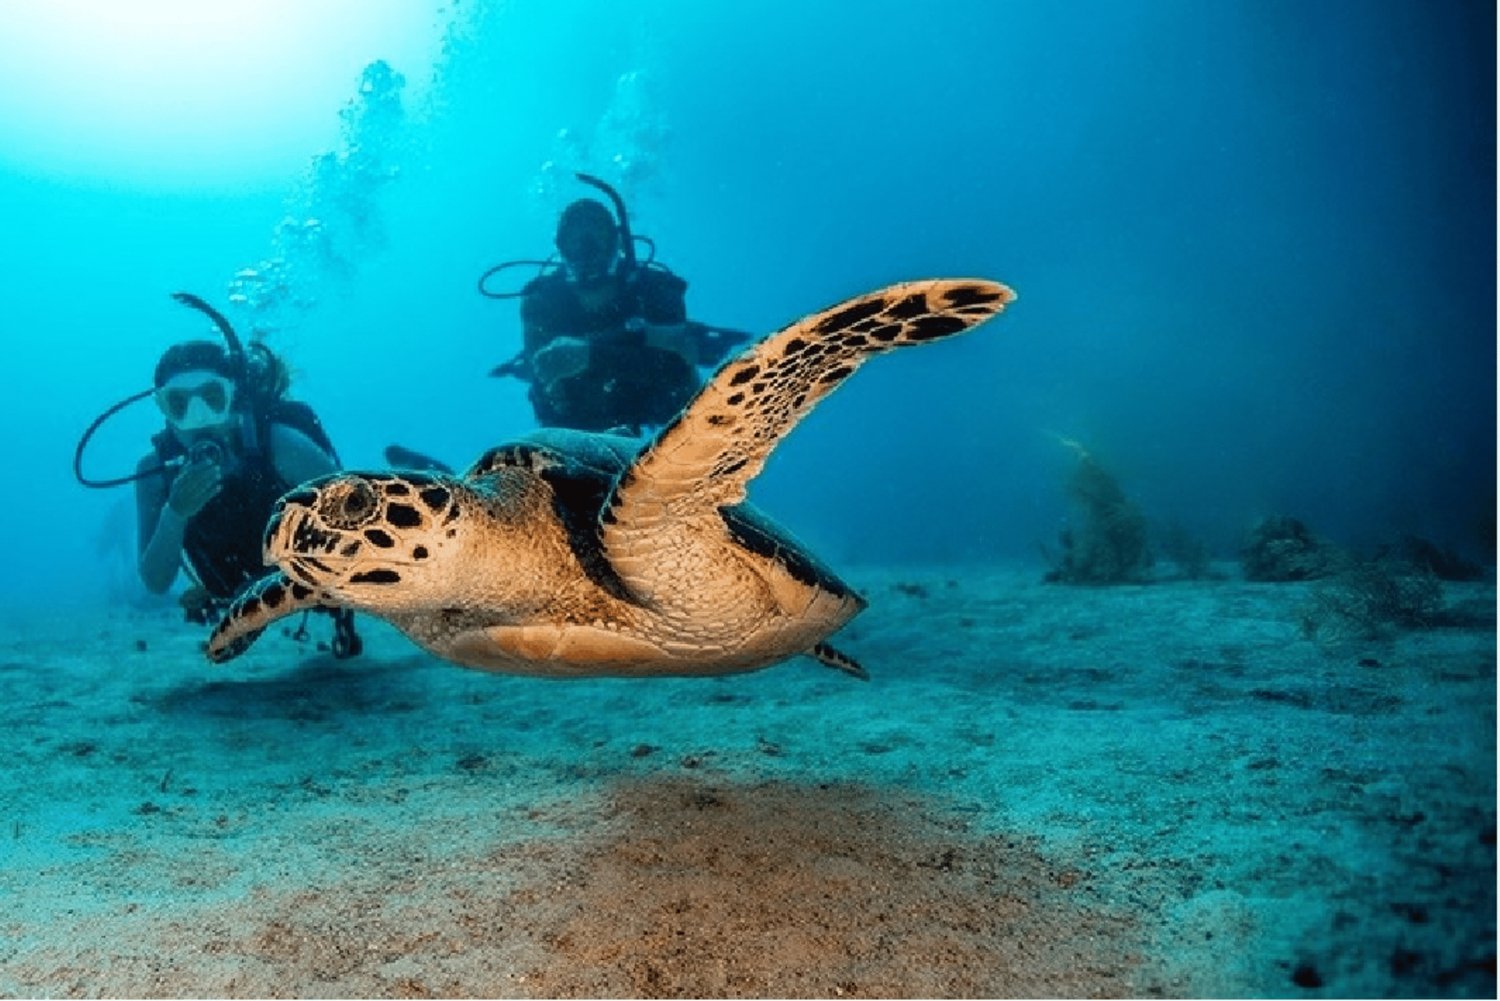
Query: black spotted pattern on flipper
x,y
705,458
825,654
273,597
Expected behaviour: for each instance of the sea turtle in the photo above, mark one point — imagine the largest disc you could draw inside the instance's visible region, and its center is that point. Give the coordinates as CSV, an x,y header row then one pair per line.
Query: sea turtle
x,y
575,554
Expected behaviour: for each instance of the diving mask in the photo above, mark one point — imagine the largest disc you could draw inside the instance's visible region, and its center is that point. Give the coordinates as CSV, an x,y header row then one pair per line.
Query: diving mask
x,y
196,400
589,255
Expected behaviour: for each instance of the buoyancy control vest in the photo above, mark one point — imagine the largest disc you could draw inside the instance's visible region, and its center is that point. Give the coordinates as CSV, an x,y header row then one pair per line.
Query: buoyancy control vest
x,y
222,542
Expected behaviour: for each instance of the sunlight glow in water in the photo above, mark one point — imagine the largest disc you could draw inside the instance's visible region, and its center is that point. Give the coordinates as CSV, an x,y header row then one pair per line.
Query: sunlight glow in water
x,y
186,91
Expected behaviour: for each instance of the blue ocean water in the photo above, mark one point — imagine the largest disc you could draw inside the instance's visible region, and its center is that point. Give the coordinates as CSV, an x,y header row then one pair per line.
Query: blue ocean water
x,y
1253,244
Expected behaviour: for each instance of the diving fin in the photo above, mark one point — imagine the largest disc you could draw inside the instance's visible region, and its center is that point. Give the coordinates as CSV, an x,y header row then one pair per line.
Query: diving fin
x,y
399,457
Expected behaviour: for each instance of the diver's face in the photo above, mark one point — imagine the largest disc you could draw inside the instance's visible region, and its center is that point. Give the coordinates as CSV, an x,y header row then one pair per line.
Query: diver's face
x,y
589,254
196,401
199,408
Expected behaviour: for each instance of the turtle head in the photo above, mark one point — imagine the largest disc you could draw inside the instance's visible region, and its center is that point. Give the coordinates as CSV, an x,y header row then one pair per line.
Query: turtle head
x,y
373,540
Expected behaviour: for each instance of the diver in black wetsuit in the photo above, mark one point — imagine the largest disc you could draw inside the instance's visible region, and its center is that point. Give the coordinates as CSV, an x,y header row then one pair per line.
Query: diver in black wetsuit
x,y
209,496
607,342
603,347
232,445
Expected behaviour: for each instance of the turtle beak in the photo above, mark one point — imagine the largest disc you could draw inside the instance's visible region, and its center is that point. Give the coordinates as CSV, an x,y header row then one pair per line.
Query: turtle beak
x,y
294,530
284,529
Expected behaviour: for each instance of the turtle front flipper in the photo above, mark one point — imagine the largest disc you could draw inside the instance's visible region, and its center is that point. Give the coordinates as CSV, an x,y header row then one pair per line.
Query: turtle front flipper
x,y
704,459
274,596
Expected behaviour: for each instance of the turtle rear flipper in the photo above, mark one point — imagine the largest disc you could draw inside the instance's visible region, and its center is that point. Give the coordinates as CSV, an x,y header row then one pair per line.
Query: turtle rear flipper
x,y
829,656
273,597
704,460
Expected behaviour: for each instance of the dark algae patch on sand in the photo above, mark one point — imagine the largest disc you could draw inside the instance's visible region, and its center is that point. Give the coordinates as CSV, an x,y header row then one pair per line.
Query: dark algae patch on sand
x,y
785,890
668,887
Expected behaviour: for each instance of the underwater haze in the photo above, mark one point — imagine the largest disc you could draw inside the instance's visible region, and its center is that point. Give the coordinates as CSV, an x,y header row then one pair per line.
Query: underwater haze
x,y
1253,244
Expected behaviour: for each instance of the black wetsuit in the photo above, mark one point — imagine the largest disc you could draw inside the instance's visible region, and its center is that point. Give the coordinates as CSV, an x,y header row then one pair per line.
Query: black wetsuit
x,y
222,542
626,383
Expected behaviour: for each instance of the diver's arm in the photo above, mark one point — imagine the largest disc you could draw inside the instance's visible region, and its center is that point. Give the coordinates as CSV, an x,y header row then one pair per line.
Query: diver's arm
x,y
666,326
534,336
662,302
537,328
298,458
677,338
540,365
159,529
662,299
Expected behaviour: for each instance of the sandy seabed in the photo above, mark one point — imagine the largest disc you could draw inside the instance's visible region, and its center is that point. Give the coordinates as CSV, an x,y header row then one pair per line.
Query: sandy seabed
x,y
1163,790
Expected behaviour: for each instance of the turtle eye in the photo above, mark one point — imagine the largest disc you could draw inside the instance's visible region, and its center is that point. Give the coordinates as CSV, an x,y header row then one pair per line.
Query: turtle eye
x,y
350,504
360,502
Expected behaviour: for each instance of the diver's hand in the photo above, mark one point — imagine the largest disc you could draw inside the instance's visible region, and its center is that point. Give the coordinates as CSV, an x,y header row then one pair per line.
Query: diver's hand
x,y
561,358
198,605
196,485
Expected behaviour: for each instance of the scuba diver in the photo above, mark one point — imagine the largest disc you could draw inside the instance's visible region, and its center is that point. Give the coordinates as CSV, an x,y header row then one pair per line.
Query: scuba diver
x,y
232,445
607,343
